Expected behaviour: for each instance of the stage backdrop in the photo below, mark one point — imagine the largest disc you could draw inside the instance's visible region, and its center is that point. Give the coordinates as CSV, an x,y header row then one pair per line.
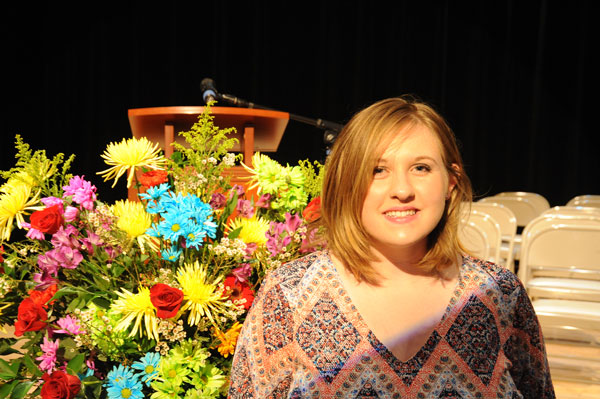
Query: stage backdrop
x,y
517,80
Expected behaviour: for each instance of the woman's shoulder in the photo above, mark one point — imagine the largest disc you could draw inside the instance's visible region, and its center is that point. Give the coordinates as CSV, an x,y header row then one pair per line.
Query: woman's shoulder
x,y
296,272
491,274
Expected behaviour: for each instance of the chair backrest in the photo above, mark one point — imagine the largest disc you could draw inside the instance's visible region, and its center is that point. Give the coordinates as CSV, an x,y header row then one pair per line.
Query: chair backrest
x,y
474,239
492,230
585,200
508,227
573,212
556,246
523,209
539,201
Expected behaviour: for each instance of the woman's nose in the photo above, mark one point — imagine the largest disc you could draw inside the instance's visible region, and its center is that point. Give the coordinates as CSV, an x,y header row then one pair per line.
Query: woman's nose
x,y
401,187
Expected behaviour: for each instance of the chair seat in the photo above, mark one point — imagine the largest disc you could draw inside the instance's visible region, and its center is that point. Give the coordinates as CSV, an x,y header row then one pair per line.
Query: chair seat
x,y
565,288
570,313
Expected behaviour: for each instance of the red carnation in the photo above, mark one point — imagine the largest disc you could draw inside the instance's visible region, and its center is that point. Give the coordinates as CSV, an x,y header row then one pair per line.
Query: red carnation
x,y
31,316
167,300
313,210
60,385
48,220
238,290
153,178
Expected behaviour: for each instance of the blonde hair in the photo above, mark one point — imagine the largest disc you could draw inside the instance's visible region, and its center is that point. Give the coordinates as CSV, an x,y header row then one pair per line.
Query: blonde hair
x,y
348,175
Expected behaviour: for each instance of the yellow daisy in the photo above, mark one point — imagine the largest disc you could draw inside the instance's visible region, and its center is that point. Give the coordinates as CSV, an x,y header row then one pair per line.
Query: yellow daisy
x,y
16,200
135,221
135,308
253,230
201,297
130,154
228,339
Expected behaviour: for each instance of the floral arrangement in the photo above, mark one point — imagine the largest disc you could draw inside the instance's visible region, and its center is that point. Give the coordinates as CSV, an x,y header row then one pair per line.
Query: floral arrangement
x,y
146,298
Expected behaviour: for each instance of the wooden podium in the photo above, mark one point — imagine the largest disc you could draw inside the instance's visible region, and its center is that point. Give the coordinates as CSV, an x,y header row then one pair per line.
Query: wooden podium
x,y
256,129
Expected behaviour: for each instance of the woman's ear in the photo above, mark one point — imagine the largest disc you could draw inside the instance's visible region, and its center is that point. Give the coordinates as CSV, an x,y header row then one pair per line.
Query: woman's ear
x,y
452,180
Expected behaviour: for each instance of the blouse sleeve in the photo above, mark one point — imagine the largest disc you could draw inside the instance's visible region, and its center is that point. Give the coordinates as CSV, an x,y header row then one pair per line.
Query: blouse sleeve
x,y
266,330
526,351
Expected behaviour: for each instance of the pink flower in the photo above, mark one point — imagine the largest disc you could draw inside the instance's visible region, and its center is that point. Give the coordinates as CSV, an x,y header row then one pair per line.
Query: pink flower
x,y
236,189
292,222
64,237
69,325
217,201
51,201
48,263
32,233
48,358
264,201
91,241
67,257
245,208
242,274
71,213
83,192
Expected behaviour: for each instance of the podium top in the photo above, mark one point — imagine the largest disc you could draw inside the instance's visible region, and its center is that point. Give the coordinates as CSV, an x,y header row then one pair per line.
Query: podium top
x,y
268,125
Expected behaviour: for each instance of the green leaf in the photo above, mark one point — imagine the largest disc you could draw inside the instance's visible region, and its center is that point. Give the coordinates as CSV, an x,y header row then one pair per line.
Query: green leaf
x,y
8,371
74,365
101,302
21,389
235,233
32,367
92,387
6,389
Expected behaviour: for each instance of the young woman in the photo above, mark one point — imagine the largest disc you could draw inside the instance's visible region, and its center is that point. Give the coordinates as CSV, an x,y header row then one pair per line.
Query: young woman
x,y
394,308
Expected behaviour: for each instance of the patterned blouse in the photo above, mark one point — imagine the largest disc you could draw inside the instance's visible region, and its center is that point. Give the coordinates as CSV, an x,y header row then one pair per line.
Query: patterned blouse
x,y
303,338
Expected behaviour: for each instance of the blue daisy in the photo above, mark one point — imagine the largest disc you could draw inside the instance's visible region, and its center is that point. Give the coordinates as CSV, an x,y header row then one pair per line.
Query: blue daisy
x,y
119,373
130,388
171,254
149,366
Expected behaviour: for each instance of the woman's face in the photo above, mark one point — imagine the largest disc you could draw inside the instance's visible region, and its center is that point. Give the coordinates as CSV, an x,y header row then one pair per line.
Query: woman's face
x,y
407,195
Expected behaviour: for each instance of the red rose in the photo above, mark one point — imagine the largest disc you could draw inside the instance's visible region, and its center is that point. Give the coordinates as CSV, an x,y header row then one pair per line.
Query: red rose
x,y
30,317
153,178
47,220
237,291
60,385
313,210
42,297
166,300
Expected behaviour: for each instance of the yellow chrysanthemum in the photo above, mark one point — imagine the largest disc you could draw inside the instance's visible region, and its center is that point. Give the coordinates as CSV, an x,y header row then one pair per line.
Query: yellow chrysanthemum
x,y
16,200
201,297
130,154
253,229
228,339
135,308
135,221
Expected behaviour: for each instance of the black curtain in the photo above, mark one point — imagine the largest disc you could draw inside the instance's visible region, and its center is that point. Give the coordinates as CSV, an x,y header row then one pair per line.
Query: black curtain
x,y
516,80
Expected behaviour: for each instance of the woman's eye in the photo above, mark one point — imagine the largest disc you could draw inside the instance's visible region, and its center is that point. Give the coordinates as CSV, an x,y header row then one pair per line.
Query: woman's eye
x,y
378,170
423,168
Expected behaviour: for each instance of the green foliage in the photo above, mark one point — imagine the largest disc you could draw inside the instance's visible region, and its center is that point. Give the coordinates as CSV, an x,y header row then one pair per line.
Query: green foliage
x,y
198,167
35,168
313,173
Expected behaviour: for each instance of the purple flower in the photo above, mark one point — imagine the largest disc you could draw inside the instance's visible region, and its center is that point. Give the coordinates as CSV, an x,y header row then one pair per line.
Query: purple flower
x,y
245,208
68,257
69,325
48,263
236,189
242,273
292,222
83,192
43,280
217,201
91,241
264,201
64,237
48,358
275,241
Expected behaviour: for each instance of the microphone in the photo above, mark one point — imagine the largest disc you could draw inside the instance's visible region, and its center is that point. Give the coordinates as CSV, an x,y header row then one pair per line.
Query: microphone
x,y
209,93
